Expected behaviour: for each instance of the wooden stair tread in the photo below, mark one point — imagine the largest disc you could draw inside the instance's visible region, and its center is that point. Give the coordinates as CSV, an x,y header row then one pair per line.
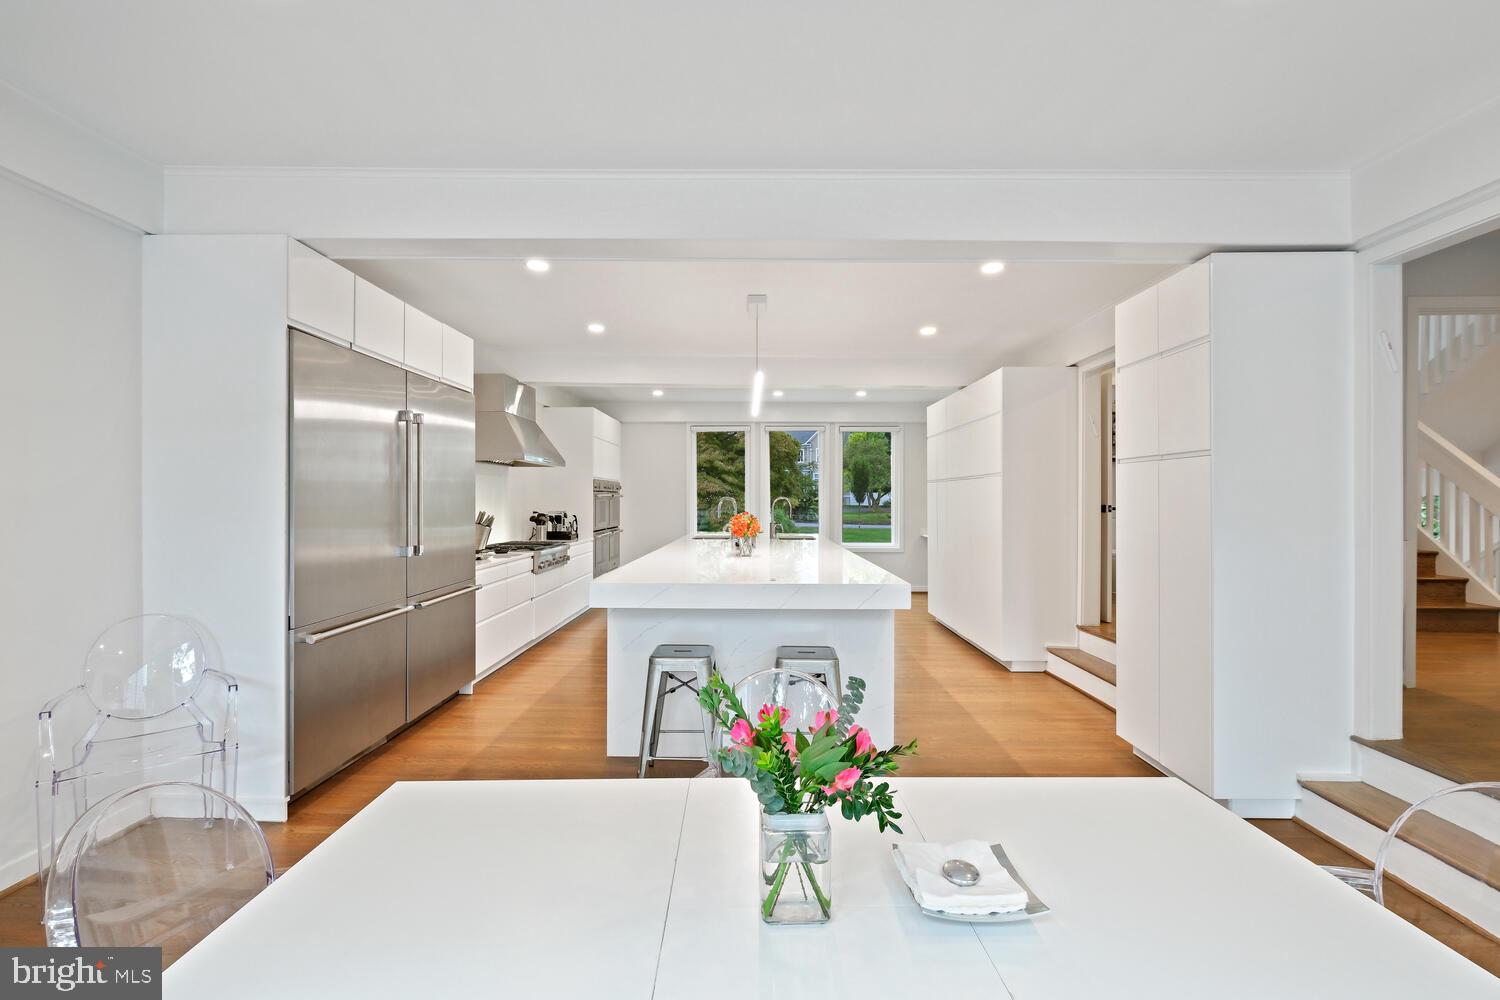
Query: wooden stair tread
x,y
1403,751
1446,605
1105,631
1450,843
1099,667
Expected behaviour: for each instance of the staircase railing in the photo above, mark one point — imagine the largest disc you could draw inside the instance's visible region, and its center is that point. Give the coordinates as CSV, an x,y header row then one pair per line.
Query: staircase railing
x,y
1459,506
1450,334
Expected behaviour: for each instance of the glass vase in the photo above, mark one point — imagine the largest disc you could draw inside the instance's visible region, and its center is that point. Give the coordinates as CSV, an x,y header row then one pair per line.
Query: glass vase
x,y
795,871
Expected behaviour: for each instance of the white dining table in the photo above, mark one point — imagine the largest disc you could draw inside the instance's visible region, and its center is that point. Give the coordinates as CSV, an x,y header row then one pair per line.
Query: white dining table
x,y
635,889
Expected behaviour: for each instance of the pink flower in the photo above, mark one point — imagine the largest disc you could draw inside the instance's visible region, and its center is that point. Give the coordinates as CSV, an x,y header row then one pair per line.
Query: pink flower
x,y
822,718
741,733
843,781
863,743
767,711
790,742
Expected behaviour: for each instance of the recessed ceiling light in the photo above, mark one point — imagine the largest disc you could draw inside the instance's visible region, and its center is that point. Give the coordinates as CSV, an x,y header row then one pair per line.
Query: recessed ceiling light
x,y
596,328
928,331
861,393
777,393
539,266
657,392
992,267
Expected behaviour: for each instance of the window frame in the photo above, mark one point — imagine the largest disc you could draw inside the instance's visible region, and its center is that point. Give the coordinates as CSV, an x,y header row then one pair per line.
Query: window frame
x,y
898,487
692,479
763,469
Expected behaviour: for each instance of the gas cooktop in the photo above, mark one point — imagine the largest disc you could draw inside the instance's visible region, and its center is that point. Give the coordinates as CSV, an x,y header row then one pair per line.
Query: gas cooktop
x,y
504,547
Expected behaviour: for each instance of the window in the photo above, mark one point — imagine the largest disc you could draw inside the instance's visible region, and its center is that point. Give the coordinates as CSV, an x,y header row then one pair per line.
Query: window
x,y
870,461
794,459
719,463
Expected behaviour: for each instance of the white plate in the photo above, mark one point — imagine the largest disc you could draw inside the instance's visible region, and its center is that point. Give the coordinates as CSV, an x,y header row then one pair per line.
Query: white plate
x,y
1033,906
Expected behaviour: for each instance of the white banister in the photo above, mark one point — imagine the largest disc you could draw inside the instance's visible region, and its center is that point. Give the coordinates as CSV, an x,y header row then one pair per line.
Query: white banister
x,y
1459,506
1450,334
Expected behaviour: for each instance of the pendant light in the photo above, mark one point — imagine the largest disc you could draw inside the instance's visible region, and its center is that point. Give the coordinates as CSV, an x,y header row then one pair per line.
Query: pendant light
x,y
755,303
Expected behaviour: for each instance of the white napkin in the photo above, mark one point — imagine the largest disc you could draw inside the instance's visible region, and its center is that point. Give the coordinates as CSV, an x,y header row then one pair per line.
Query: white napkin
x,y
921,867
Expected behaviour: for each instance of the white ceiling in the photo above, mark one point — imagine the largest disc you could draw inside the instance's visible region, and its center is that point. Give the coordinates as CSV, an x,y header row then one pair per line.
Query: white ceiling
x,y
777,84
829,324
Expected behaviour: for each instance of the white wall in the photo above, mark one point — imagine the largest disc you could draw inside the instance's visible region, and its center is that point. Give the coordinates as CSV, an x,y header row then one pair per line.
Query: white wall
x,y
71,495
655,477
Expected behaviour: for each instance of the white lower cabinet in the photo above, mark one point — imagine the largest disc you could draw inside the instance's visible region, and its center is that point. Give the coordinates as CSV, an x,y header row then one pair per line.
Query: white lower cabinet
x,y
1137,676
561,603
500,635
1185,530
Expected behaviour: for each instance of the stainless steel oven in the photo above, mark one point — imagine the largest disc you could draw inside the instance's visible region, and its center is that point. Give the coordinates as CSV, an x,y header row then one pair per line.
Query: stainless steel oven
x,y
606,525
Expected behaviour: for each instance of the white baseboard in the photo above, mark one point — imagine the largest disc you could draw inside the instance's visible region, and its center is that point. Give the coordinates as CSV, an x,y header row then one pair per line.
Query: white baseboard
x,y
1075,676
1024,666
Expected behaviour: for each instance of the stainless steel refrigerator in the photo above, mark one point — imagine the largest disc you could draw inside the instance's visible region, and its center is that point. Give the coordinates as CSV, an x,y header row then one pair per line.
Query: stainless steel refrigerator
x,y
381,616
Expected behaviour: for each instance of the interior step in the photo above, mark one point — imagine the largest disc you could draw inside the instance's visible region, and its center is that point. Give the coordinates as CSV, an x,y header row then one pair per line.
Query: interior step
x,y
1104,630
1093,675
1098,640
1442,590
1461,617
1455,846
1427,563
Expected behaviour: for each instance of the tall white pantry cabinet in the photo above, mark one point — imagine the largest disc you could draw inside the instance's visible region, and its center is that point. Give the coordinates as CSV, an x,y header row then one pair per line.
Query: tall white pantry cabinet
x,y
1233,570
1002,522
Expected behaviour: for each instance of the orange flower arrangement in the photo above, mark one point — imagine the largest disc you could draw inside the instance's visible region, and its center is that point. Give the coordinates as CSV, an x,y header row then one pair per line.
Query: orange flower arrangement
x,y
744,525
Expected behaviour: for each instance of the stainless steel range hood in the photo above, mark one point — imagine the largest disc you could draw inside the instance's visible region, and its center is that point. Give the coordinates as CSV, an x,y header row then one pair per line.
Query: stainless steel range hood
x,y
506,431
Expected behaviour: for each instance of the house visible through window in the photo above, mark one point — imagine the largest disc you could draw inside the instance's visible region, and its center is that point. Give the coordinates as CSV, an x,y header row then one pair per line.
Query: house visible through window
x,y
794,459
871,471
719,468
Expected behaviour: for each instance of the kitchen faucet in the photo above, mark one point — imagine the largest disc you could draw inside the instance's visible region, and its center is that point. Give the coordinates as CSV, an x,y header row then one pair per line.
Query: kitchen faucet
x,y
776,527
734,506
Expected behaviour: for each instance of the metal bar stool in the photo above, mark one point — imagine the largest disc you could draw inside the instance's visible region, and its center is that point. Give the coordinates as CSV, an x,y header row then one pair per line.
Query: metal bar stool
x,y
816,661
672,669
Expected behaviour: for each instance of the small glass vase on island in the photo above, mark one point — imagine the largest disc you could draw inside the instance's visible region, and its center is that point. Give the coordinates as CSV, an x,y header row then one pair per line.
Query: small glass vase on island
x,y
744,528
797,776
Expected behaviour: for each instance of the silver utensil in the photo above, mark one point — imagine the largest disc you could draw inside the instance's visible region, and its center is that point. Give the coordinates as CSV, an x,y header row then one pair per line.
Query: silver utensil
x,y
960,873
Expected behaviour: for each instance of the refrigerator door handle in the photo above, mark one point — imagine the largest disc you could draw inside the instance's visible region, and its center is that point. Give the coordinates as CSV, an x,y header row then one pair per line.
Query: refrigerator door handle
x,y
404,421
418,420
447,597
316,637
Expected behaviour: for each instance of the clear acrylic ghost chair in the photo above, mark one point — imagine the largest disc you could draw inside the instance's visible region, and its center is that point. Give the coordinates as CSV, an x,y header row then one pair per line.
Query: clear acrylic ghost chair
x,y
159,865
149,697
1468,824
802,695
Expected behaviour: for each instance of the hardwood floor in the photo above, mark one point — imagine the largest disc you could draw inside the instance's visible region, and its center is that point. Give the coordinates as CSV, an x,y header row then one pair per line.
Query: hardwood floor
x,y
542,717
1451,719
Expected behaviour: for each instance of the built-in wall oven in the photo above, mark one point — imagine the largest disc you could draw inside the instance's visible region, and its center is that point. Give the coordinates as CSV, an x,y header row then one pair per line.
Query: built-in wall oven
x,y
606,525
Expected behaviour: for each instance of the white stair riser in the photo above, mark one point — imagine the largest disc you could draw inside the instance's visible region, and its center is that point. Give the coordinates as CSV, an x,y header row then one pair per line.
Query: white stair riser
x,y
1081,679
1102,648
1466,896
1411,784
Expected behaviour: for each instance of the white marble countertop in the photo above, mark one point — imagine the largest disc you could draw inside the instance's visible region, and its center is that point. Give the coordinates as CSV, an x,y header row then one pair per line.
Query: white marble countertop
x,y
804,574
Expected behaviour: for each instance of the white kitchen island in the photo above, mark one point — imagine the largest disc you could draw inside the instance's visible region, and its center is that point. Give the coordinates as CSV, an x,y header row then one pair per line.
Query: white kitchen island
x,y
790,592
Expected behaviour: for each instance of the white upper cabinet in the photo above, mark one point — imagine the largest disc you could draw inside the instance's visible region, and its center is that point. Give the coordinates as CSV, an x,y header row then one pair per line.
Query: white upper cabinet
x,y
1185,306
458,358
379,321
319,294
424,343
606,427
1135,328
